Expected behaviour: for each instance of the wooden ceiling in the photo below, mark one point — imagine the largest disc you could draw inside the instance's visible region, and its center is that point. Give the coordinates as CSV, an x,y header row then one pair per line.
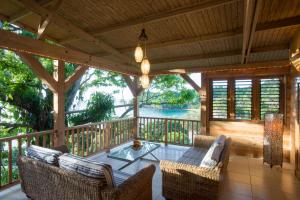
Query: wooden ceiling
x,y
183,34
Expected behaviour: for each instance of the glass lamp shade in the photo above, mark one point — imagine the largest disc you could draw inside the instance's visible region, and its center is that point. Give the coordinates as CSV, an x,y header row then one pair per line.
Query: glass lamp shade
x,y
138,54
145,66
145,81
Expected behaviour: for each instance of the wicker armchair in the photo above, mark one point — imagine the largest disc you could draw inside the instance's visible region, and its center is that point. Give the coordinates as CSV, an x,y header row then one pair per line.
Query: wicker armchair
x,y
41,181
189,181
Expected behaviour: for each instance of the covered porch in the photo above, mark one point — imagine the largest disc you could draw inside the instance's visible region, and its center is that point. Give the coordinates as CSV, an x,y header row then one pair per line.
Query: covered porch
x,y
246,51
246,178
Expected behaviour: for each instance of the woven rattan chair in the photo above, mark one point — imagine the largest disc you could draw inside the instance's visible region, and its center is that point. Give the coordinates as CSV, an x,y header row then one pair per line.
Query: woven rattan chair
x,y
186,180
41,181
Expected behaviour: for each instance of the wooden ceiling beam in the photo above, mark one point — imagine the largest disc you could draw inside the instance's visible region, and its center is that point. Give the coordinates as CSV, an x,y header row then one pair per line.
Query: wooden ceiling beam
x,y
217,54
158,16
80,33
188,79
25,12
79,71
288,22
14,42
165,15
45,22
258,7
249,9
222,68
195,57
39,70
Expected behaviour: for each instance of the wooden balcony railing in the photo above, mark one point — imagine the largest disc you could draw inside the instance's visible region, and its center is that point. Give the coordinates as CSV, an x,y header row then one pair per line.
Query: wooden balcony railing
x,y
167,130
85,140
12,147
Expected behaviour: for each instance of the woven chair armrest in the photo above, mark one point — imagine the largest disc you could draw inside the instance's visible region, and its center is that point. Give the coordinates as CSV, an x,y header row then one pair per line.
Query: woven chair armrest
x,y
203,141
138,186
190,172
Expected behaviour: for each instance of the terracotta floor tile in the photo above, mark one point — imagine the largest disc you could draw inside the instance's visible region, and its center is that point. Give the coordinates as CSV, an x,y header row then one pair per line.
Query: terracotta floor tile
x,y
246,178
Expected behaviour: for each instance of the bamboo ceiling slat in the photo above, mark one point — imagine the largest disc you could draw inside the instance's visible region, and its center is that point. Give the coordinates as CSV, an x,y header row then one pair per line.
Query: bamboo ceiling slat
x,y
92,16
273,37
53,30
269,56
278,9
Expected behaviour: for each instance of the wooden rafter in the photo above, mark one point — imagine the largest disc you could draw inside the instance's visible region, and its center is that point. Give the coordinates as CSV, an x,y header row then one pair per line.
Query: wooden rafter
x,y
195,57
24,13
258,6
70,27
283,23
191,82
19,43
39,70
221,68
45,22
130,84
249,8
217,54
159,16
79,71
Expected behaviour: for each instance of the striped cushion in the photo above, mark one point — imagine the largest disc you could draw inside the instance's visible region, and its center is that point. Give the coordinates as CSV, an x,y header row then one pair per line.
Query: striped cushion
x,y
87,168
46,155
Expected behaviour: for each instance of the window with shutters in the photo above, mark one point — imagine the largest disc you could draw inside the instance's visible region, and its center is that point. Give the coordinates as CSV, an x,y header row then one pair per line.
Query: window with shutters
x,y
219,99
269,96
234,98
243,99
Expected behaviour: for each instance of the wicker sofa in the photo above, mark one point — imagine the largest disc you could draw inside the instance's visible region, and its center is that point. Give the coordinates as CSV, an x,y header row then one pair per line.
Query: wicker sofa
x,y
41,181
184,179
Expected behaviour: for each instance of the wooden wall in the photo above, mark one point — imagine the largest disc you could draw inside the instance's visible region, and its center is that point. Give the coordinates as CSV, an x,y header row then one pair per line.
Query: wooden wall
x,y
247,136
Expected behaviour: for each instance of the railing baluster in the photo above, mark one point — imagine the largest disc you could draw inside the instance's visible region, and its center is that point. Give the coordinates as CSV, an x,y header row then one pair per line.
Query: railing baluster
x,y
192,133
9,162
73,142
37,140
166,131
19,147
44,140
182,132
87,140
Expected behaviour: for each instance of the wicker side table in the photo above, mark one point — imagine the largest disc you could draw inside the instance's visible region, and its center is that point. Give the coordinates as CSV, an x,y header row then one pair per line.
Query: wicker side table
x,y
273,139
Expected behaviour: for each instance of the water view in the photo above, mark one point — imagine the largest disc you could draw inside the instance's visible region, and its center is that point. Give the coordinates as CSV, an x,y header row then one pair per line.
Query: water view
x,y
171,113
163,113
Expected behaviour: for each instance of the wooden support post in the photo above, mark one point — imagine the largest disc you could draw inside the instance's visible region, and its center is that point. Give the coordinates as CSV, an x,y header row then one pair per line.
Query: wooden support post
x,y
204,106
136,109
59,103
166,131
231,112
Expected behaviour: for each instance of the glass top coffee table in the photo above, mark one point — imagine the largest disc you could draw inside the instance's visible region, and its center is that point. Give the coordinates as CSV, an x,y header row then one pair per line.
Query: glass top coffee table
x,y
130,155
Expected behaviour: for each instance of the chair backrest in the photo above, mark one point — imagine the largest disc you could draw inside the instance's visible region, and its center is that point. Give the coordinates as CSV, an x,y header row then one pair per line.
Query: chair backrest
x,y
40,179
225,155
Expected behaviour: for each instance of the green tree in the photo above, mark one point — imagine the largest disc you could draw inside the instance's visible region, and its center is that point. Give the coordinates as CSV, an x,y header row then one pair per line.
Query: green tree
x,y
167,90
99,107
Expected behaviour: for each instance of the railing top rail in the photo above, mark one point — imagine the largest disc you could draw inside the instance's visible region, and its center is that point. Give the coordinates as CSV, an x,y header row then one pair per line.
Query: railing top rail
x,y
177,119
97,123
7,139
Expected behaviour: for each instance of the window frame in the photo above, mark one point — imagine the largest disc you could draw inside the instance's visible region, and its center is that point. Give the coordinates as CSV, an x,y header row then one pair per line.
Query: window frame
x,y
255,112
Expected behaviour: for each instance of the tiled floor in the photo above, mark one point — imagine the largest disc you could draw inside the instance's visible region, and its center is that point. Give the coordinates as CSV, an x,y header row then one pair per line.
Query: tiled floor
x,y
246,178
